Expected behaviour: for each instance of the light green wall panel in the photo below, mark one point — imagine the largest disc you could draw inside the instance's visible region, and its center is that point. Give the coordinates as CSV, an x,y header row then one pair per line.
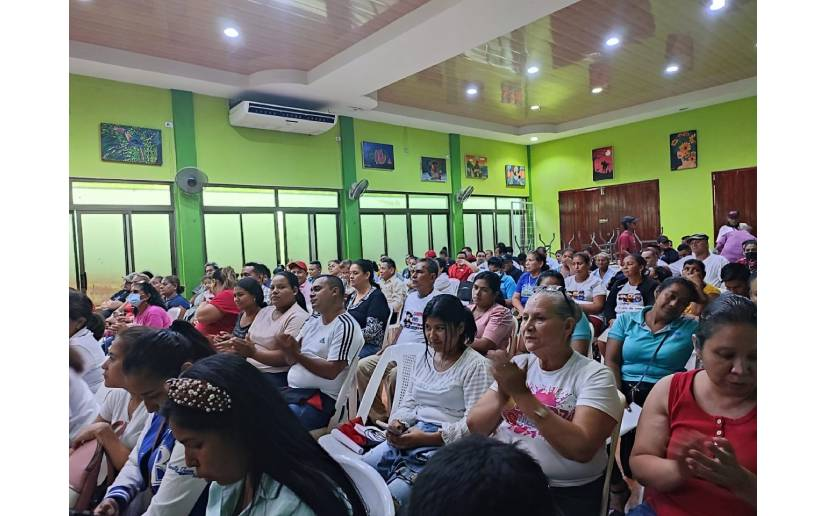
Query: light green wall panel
x,y
498,154
726,140
237,155
409,146
92,101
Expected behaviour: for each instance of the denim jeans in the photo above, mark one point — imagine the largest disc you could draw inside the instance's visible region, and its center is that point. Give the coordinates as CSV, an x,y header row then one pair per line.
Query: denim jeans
x,y
310,417
400,468
643,509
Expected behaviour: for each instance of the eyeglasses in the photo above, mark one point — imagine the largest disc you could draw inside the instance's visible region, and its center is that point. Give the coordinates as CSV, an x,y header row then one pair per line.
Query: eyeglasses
x,y
558,289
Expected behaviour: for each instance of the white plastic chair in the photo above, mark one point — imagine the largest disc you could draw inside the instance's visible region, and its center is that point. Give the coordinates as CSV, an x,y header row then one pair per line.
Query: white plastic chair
x,y
373,489
592,340
512,348
691,363
611,457
175,313
347,399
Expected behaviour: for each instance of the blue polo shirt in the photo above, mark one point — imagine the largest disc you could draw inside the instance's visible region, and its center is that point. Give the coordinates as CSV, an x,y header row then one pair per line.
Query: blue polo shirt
x,y
639,344
508,286
582,329
526,285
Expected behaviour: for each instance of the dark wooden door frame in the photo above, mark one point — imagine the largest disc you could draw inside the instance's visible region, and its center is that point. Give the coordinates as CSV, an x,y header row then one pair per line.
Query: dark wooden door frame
x,y
720,210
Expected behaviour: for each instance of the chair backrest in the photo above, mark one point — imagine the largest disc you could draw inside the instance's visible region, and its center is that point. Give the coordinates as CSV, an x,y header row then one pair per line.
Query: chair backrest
x,y
691,363
387,328
347,400
373,488
465,291
512,348
404,355
175,312
592,340
611,457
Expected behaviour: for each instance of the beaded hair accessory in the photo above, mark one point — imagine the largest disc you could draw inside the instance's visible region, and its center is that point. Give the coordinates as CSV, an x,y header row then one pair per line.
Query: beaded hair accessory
x,y
198,394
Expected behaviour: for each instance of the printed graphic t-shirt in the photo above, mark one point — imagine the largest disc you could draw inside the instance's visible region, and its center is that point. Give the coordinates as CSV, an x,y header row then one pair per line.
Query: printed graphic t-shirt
x,y
412,318
585,291
629,299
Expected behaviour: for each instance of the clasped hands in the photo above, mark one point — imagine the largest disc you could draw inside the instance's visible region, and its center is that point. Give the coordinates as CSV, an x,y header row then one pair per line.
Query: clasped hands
x,y
511,379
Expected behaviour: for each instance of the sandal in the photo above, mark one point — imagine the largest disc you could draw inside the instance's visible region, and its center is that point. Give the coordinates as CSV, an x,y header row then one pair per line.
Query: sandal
x,y
623,495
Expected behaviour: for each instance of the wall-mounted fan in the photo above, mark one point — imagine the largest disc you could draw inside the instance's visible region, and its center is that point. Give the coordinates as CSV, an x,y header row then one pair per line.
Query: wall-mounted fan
x,y
191,180
357,189
463,194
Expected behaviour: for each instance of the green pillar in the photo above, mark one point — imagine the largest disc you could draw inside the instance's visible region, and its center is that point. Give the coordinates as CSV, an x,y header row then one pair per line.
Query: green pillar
x,y
188,208
456,209
350,212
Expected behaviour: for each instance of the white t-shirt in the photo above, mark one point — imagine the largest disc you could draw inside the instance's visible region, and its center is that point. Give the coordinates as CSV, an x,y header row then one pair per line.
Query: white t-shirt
x,y
581,381
115,407
412,317
629,299
341,339
83,408
713,268
611,271
585,291
92,354
445,397
268,325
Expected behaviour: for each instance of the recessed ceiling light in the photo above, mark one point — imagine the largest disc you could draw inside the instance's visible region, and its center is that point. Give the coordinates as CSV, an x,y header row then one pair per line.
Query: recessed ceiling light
x,y
597,90
231,32
672,68
715,5
535,107
612,42
534,138
472,90
533,69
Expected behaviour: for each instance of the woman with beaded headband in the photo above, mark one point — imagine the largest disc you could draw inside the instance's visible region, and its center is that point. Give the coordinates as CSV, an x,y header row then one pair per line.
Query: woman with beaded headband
x,y
259,457
155,473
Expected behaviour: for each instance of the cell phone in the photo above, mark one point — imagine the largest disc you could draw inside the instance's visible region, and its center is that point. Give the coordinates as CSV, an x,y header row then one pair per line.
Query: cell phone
x,y
394,431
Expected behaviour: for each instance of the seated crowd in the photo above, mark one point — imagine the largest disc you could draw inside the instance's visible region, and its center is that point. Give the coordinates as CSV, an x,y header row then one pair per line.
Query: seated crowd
x,y
524,366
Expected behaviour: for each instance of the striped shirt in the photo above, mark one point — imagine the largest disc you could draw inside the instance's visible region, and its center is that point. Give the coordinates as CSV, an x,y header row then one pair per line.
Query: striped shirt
x,y
341,339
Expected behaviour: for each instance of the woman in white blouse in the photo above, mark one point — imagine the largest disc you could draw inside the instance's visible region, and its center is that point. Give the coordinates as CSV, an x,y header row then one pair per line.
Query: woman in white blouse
x,y
286,313
554,403
447,380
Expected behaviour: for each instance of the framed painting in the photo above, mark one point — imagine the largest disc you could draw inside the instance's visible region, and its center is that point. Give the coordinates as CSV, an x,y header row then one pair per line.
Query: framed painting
x,y
377,155
515,175
434,170
475,167
128,144
684,153
602,163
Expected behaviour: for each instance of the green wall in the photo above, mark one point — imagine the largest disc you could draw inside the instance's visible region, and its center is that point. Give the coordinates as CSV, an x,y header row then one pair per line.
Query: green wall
x,y
726,139
498,155
237,155
409,146
92,101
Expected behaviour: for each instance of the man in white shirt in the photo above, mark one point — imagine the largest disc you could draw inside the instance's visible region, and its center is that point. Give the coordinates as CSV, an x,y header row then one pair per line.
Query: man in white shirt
x,y
481,260
699,249
392,286
411,325
320,357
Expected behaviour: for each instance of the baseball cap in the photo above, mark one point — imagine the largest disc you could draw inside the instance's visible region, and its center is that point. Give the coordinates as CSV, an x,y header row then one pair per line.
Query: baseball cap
x,y
733,214
429,254
697,236
627,219
507,258
663,239
297,263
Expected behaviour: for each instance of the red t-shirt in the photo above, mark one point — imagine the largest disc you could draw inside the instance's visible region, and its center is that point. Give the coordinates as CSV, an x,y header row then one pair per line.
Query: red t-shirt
x,y
461,273
225,302
699,496
627,244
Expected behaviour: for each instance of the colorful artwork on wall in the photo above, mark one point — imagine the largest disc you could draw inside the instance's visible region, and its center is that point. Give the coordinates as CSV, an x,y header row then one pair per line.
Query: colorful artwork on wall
x,y
684,152
475,167
434,169
128,144
515,175
377,155
602,163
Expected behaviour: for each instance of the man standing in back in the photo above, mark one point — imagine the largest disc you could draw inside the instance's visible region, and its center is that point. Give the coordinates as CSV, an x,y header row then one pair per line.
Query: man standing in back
x,y
730,245
628,242
732,223
411,326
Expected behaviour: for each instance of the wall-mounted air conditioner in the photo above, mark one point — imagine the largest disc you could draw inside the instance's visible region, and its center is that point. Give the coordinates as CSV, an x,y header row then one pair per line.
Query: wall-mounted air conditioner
x,y
259,115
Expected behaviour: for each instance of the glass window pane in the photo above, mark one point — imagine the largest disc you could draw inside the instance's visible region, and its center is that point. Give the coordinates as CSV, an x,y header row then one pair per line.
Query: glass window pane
x,y
245,197
372,236
470,230
151,243
281,238
515,234
297,235
129,194
259,238
440,238
505,203
383,201
104,254
72,254
326,231
429,202
480,203
397,239
503,229
420,234
487,231
223,239
307,199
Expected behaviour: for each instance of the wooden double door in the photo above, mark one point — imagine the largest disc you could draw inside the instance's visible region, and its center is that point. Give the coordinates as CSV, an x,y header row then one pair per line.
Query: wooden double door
x,y
598,212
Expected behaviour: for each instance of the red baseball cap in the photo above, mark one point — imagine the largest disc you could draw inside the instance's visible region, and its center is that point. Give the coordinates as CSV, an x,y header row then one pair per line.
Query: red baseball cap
x,y
429,254
297,263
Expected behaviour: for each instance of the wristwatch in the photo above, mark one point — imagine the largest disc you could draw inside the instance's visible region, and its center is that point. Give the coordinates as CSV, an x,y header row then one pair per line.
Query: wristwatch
x,y
541,412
